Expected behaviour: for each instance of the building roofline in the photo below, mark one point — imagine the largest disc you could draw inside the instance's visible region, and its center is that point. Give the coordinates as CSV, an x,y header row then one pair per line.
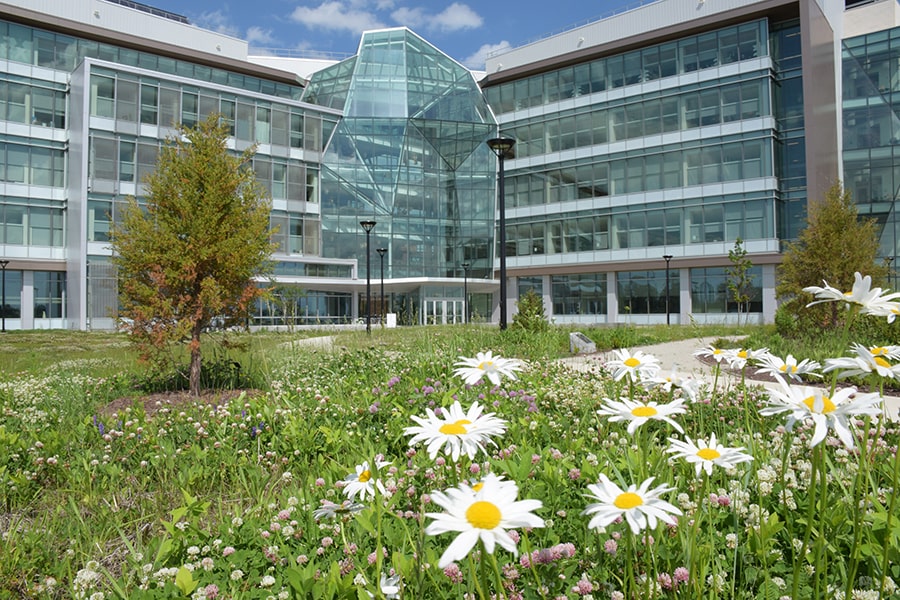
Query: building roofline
x,y
781,9
92,32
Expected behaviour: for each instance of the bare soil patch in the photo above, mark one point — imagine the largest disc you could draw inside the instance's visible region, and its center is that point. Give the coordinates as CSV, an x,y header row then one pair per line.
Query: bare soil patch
x,y
176,400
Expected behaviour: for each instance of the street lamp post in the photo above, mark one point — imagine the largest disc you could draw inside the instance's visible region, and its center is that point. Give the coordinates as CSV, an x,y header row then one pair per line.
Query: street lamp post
x,y
368,226
502,147
381,252
465,267
3,264
667,258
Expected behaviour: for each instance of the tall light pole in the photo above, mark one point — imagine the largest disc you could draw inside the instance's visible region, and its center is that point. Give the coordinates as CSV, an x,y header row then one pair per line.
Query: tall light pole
x,y
368,226
667,258
3,264
381,252
502,147
465,267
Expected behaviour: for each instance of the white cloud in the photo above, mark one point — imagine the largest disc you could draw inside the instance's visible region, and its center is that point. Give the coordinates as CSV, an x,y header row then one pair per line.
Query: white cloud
x,y
257,36
217,21
336,16
476,60
409,17
455,17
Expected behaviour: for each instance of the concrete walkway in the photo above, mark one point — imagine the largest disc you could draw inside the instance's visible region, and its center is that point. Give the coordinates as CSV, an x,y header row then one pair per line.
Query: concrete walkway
x,y
680,355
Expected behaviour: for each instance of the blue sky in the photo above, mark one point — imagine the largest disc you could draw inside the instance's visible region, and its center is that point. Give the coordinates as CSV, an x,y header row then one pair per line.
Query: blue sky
x,y
465,29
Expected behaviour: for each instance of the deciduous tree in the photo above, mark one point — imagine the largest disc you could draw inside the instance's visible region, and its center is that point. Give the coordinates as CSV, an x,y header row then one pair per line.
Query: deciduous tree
x,y
192,251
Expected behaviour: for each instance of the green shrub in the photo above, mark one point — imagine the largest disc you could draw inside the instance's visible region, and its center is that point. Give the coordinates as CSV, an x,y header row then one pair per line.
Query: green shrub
x,y
531,316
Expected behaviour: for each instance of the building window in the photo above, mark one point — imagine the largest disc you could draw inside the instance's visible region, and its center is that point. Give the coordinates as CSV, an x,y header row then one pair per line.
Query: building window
x,y
710,294
644,292
583,294
49,294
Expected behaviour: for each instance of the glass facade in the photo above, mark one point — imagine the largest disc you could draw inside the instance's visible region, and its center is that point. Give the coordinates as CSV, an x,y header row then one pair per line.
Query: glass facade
x,y
644,292
409,154
871,119
677,148
715,48
710,294
582,294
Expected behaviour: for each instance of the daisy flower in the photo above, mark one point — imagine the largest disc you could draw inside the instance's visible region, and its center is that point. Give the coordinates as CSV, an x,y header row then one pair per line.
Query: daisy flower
x,y
637,413
787,367
688,385
703,455
872,300
737,358
363,483
636,365
484,515
456,431
640,506
330,510
717,354
803,403
874,360
485,364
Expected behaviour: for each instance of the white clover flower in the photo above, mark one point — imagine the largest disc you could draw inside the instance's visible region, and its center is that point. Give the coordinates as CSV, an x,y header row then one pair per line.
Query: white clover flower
x,y
237,575
267,581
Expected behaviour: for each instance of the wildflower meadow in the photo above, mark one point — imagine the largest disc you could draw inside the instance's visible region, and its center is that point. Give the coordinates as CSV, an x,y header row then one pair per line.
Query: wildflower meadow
x,y
450,469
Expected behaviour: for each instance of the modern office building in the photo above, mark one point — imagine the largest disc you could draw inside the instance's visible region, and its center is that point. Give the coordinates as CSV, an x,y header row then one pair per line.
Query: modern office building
x,y
647,143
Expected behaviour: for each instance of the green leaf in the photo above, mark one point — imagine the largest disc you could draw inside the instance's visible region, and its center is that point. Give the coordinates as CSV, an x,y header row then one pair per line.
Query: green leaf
x,y
185,581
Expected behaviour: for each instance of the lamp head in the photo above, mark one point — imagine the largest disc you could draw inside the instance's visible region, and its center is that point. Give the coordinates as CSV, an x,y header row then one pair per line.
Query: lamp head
x,y
368,225
502,146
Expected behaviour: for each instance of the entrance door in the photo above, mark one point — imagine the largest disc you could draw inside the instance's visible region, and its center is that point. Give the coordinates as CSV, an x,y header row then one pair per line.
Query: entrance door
x,y
441,311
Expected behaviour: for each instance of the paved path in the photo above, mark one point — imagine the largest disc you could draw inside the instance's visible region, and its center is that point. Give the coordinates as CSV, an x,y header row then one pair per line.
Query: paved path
x,y
680,355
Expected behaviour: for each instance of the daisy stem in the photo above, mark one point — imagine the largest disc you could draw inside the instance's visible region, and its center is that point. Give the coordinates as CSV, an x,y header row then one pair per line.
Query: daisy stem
x,y
629,566
501,590
479,579
887,526
810,514
526,549
862,472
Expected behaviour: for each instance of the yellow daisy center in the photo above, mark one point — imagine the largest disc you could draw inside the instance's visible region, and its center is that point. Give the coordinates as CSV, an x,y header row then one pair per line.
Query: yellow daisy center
x,y
827,404
848,294
717,351
632,362
485,365
477,487
628,500
882,363
708,453
878,351
455,428
643,411
742,354
788,368
365,476
483,515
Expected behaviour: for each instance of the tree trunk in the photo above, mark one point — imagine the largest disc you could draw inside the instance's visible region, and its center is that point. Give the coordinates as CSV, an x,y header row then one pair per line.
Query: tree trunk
x,y
195,361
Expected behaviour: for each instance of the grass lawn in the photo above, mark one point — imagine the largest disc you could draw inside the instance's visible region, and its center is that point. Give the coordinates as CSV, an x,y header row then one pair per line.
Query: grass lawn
x,y
310,487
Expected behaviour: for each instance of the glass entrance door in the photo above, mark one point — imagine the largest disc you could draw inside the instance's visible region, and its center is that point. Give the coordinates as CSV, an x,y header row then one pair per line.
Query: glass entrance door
x,y
441,311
